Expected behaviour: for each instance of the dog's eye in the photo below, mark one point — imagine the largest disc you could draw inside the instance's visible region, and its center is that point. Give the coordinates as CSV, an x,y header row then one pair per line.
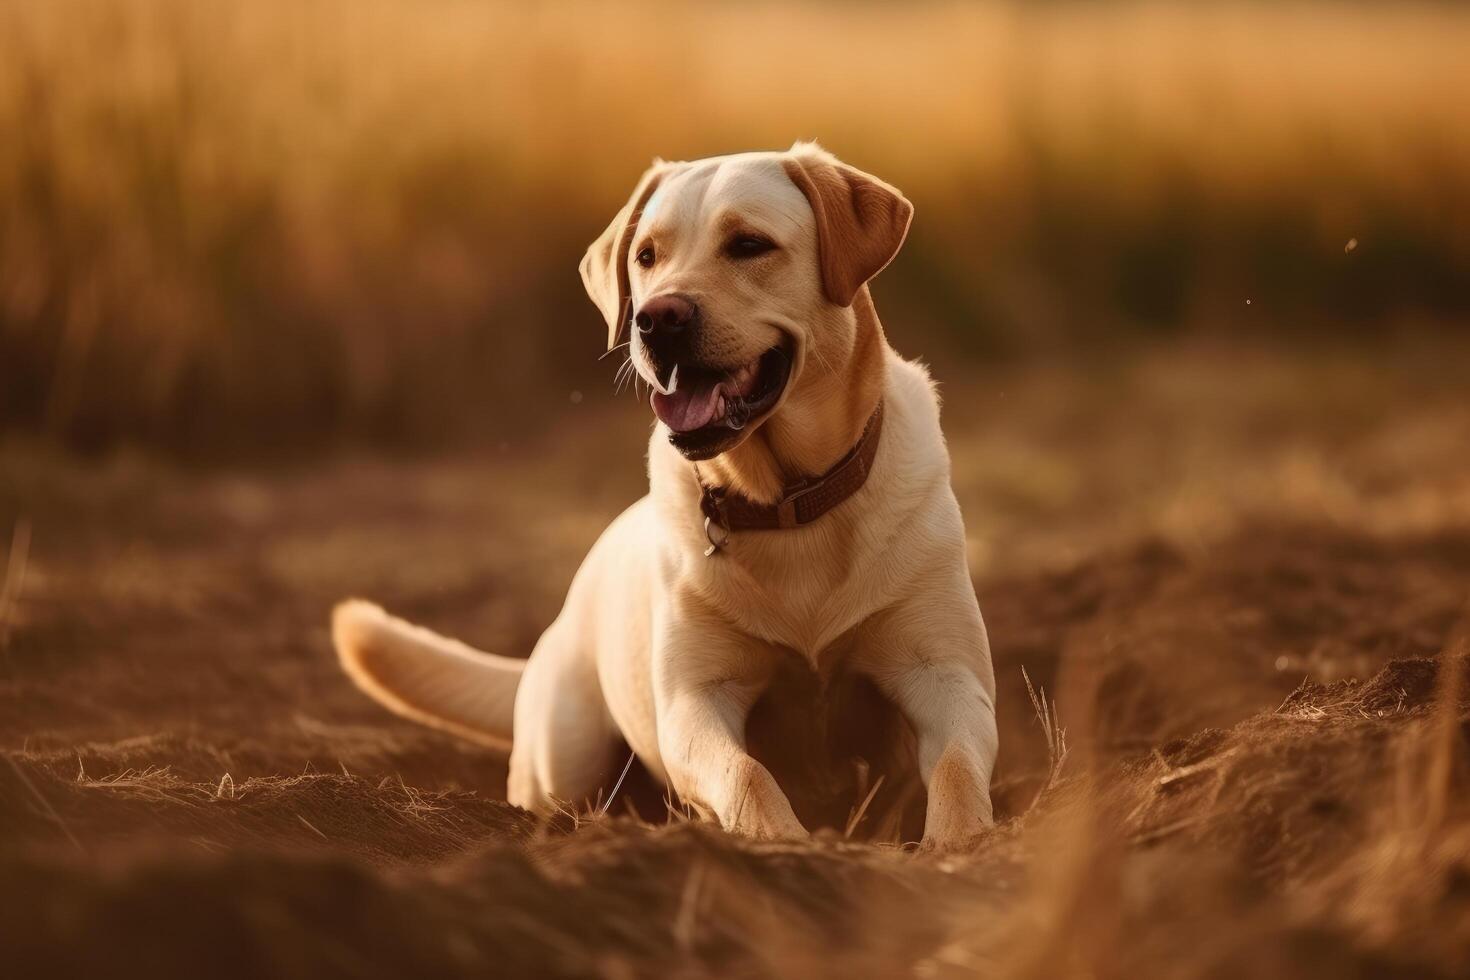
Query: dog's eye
x,y
645,258
748,246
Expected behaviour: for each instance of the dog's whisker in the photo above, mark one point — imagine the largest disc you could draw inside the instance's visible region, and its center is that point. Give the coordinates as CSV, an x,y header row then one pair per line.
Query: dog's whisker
x,y
621,377
614,348
826,364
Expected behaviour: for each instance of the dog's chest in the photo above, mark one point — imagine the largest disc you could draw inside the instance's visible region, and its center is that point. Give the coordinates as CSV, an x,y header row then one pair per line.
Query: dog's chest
x,y
801,589
809,607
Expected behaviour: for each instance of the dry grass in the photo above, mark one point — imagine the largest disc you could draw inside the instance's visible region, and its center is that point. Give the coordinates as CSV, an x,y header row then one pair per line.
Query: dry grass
x,y
15,574
270,222
1051,729
180,745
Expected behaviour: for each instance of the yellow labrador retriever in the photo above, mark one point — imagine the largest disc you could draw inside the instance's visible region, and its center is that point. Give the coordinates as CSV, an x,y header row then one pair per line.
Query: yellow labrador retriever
x,y
799,537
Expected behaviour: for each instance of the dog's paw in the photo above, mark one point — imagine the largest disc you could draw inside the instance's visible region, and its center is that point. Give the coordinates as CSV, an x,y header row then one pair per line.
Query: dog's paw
x,y
959,805
762,811
956,826
770,827
952,843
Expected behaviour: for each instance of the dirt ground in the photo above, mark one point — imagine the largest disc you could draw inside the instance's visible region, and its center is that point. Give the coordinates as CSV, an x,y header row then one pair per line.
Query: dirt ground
x,y
1235,574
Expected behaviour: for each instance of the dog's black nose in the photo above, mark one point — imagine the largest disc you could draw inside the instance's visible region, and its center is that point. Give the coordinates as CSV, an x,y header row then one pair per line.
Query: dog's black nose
x,y
666,316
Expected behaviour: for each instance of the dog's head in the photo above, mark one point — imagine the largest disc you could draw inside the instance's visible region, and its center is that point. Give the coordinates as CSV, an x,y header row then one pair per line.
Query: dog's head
x,y
734,279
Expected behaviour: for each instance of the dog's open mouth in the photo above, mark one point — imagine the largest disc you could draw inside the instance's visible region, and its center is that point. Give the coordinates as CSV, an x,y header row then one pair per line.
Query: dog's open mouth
x,y
707,409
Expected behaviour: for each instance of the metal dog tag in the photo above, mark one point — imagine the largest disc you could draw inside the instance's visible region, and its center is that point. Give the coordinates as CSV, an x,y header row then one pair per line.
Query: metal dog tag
x,y
709,536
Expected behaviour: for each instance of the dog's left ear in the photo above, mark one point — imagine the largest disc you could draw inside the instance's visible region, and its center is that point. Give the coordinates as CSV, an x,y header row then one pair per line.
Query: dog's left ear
x,y
861,221
605,266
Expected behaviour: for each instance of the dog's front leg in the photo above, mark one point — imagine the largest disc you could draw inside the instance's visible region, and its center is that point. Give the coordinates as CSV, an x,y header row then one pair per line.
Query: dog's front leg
x,y
706,677
933,662
952,716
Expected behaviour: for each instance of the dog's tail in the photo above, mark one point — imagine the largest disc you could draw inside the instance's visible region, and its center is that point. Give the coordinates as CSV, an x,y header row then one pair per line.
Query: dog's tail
x,y
424,676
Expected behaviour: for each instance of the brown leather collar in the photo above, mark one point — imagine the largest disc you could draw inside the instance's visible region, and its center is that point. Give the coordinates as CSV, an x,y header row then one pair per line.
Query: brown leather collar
x,y
799,504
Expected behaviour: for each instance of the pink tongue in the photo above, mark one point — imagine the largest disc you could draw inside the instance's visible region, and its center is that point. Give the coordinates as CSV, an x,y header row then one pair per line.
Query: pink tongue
x,y
687,409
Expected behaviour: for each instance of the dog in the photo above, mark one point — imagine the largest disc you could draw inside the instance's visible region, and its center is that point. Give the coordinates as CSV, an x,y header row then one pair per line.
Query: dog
x,y
800,546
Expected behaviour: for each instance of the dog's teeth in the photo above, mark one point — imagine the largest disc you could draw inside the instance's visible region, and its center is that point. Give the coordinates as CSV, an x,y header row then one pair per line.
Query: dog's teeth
x,y
673,384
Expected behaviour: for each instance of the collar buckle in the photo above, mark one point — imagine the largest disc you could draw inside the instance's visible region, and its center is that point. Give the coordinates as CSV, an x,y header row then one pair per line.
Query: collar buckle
x,y
716,524
726,512
715,542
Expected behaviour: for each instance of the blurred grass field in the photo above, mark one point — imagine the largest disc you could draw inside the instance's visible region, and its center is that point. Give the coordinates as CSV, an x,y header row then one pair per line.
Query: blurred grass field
x,y
1194,277
272,225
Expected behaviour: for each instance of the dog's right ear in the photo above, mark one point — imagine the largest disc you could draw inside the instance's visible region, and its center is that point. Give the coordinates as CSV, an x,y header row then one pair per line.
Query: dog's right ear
x,y
605,266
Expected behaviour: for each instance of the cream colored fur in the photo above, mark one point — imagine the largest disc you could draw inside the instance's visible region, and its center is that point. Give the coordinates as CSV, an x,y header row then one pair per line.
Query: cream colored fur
x,y
667,649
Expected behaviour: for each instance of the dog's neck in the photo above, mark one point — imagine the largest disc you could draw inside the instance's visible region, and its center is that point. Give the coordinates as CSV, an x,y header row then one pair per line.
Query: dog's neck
x,y
816,426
